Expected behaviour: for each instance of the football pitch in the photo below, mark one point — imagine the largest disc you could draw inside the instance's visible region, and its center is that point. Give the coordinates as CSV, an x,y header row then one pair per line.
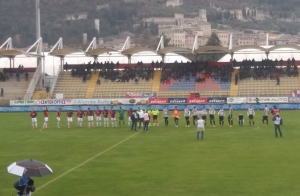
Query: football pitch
x,y
169,161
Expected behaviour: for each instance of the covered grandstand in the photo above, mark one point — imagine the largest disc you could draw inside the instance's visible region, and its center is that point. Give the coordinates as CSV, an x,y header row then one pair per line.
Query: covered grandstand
x,y
206,78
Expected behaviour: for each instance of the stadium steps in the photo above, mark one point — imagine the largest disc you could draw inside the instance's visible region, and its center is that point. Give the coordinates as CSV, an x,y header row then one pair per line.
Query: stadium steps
x,y
92,85
234,88
156,80
40,95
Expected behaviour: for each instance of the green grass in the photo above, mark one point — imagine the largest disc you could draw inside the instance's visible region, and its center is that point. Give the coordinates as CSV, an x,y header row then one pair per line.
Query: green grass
x,y
166,161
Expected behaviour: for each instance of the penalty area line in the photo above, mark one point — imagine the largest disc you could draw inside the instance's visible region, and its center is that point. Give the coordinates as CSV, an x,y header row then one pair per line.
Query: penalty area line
x,y
90,159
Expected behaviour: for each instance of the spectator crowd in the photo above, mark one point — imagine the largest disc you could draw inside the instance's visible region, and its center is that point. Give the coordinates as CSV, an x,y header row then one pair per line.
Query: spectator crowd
x,y
189,70
266,69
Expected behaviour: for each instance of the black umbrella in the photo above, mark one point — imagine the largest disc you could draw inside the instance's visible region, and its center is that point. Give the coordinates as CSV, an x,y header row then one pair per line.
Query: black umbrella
x,y
29,168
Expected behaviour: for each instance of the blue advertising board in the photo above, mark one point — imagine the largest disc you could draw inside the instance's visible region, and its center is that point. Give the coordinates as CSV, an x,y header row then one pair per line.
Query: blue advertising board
x,y
159,107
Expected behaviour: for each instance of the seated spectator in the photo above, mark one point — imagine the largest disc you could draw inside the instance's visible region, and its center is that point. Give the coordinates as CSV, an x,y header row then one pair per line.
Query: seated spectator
x,y
136,81
98,81
2,92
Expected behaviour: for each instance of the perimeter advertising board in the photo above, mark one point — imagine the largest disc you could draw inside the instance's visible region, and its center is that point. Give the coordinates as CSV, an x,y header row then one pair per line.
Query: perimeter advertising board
x,y
236,100
268,99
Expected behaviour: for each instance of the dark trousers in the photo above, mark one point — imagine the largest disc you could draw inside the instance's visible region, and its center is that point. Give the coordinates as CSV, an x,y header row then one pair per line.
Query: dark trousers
x,y
146,124
133,125
277,128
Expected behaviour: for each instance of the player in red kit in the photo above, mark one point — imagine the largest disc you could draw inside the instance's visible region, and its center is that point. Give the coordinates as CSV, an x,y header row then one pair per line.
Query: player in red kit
x,y
33,115
130,111
69,118
98,117
90,115
112,113
45,126
80,114
105,117
58,117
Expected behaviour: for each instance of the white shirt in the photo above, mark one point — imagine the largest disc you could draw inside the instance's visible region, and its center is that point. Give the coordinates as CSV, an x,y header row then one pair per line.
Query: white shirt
x,y
146,117
277,120
266,111
194,112
221,112
166,113
211,111
141,114
204,112
251,111
200,123
187,112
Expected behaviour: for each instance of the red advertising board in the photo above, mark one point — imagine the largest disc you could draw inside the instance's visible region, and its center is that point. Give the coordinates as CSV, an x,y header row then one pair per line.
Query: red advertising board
x,y
196,100
133,95
158,100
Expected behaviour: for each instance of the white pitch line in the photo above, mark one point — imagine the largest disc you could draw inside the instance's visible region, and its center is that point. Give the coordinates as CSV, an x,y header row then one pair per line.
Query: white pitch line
x,y
97,155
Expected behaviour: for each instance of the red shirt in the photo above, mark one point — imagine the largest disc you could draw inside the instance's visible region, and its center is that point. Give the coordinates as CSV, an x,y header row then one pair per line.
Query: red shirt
x,y
69,114
129,112
112,113
80,113
105,113
33,114
46,113
89,112
58,113
97,112
275,111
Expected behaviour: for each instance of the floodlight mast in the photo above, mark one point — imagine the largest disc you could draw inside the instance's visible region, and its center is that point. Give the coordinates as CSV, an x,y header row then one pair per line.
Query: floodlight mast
x,y
38,28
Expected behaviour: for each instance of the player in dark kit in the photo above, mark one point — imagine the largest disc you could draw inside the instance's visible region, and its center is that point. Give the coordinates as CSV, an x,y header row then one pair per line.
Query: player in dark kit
x,y
80,114
90,115
105,117
33,115
98,117
69,118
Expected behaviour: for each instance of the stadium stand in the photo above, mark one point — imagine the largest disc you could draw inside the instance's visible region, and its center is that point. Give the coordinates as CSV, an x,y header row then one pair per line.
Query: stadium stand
x,y
71,87
267,78
13,87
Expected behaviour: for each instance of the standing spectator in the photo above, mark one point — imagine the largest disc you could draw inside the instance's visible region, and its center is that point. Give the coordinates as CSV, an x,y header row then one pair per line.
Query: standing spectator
x,y
98,82
277,123
2,92
18,76
278,81
47,90
26,76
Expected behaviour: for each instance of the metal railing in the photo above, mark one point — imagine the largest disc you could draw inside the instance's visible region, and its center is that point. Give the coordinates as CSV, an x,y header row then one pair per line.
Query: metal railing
x,y
33,83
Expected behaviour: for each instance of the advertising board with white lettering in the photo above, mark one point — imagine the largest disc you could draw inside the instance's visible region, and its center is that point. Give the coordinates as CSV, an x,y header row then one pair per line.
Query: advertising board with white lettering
x,y
236,100
54,102
196,100
158,101
217,100
21,102
91,101
140,95
134,101
268,99
177,100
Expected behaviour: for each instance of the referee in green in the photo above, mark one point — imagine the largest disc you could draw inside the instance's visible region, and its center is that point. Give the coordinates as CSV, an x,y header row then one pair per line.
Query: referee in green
x,y
155,113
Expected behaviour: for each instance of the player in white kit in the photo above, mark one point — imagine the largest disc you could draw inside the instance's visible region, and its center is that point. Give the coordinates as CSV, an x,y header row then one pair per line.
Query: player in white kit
x,y
200,127
251,114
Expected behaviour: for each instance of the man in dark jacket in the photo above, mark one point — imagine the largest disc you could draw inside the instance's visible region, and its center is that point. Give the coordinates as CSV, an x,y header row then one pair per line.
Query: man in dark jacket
x,y
134,119
24,187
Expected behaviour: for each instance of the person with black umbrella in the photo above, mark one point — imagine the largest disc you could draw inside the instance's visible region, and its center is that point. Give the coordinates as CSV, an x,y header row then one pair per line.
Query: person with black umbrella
x,y
25,186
